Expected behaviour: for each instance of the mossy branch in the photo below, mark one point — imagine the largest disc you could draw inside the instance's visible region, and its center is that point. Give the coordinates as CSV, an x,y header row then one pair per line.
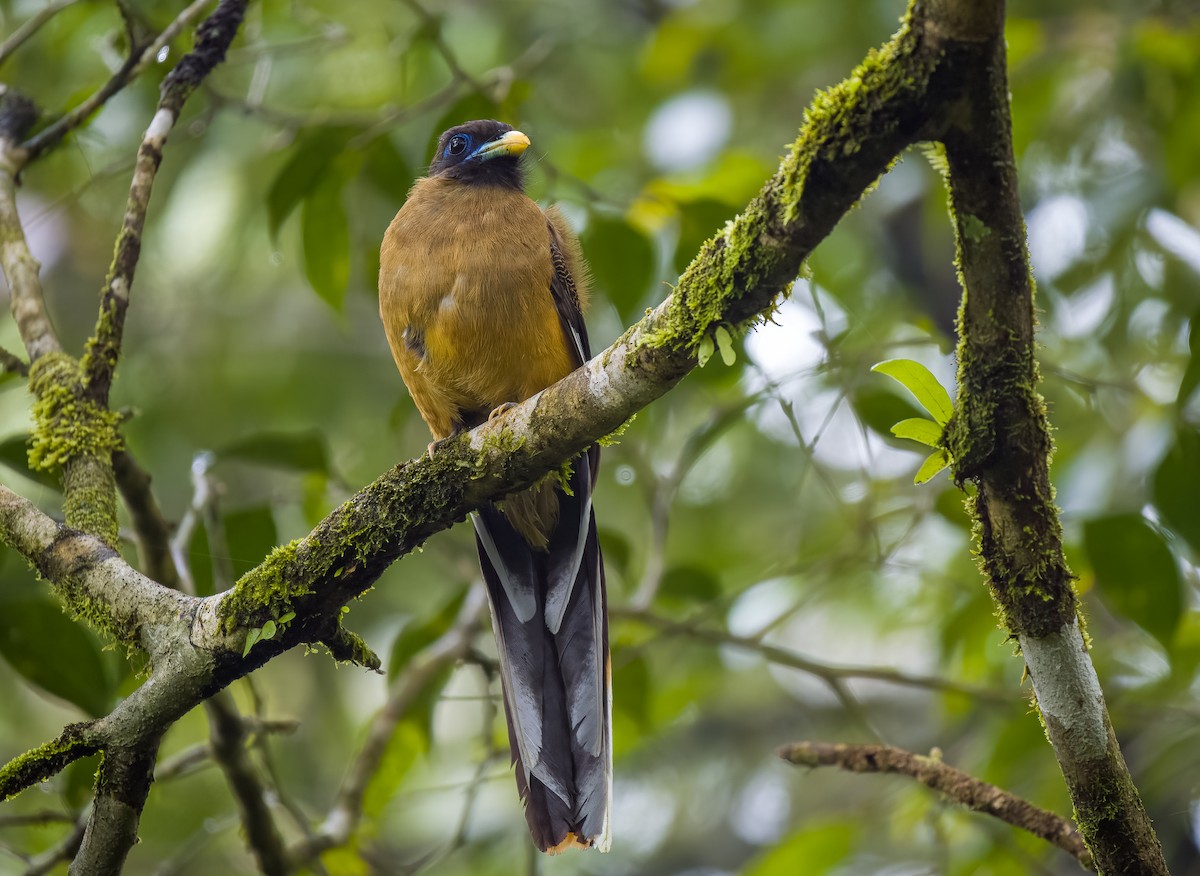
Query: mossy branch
x,y
75,742
999,438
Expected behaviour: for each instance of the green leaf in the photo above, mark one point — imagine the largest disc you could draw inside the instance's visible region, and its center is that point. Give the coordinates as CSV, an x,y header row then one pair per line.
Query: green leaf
x,y
1191,376
933,464
268,631
250,535
251,638
812,850
690,584
407,744
918,380
919,429
699,220
879,408
309,163
295,451
1136,574
387,170
14,454
704,350
1174,486
56,654
631,676
725,345
326,241
622,262
415,636
287,617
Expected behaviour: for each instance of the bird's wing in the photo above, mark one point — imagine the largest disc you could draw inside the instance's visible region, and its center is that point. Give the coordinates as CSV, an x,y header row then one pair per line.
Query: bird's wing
x,y
568,285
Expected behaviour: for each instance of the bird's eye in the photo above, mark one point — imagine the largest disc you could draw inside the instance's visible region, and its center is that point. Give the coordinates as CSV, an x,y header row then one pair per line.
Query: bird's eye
x,y
457,145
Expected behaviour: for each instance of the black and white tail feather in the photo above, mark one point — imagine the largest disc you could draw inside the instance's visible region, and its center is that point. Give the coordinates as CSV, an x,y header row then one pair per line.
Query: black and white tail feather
x,y
549,616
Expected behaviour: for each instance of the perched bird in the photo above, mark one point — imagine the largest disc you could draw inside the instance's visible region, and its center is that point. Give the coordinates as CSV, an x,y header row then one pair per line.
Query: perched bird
x,y
481,295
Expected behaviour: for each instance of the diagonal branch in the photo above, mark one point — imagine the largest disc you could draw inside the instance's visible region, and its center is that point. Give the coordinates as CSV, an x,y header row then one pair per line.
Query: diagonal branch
x,y
31,26
347,811
212,41
828,672
150,527
139,58
229,732
961,787
17,115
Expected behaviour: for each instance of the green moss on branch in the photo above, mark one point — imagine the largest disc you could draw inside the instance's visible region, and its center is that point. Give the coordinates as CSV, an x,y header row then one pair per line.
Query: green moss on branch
x,y
46,760
75,434
758,248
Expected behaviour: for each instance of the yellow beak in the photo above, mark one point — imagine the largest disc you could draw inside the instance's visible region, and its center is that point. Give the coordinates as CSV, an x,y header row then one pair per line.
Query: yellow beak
x,y
512,143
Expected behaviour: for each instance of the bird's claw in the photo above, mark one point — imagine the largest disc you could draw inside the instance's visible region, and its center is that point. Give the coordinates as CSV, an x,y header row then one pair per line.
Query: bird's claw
x,y
500,410
434,446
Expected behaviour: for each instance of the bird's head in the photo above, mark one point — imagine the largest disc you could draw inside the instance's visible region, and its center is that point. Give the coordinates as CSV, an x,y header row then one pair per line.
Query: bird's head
x,y
483,152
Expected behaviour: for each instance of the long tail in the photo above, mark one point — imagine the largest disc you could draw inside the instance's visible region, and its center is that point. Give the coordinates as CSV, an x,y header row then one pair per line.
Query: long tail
x,y
549,613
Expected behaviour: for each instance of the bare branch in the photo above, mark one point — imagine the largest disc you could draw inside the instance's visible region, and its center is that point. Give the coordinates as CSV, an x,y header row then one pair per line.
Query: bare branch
x,y
64,850
31,26
151,528
36,819
228,740
452,646
139,58
212,41
961,787
830,673
17,114
12,364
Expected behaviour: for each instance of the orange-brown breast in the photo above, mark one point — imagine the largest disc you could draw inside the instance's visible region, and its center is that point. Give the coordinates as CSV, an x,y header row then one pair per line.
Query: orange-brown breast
x,y
464,293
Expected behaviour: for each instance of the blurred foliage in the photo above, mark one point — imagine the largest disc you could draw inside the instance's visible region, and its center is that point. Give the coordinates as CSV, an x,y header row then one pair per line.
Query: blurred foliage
x,y
766,499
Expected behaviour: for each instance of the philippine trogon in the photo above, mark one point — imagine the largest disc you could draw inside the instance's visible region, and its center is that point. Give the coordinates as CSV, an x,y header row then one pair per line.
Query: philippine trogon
x,y
481,294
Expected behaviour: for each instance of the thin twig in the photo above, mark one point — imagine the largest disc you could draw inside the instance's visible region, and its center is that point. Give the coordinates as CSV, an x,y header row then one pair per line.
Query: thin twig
x,y
344,816
201,498
36,819
152,531
64,850
12,364
664,489
825,671
955,784
31,26
28,304
432,25
184,763
228,735
213,37
139,58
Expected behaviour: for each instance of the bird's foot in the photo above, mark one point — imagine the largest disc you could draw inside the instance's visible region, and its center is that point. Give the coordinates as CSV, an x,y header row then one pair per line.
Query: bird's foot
x,y
435,445
500,410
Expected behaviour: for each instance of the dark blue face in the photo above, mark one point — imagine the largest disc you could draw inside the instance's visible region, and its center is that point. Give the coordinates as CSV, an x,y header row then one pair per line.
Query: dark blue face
x,y
468,153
